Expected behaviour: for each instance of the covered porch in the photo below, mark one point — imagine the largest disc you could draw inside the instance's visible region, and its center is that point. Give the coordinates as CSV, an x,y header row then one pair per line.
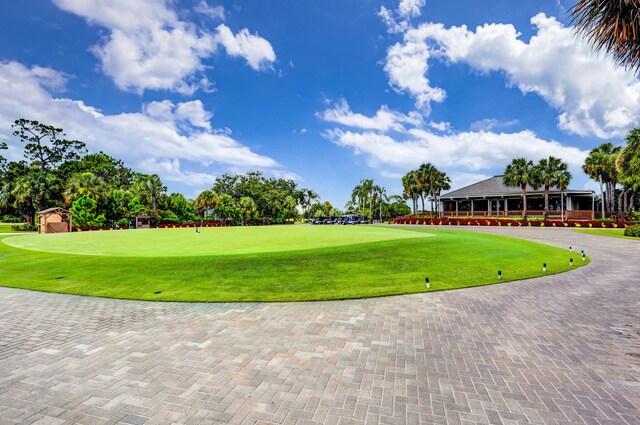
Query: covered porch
x,y
561,207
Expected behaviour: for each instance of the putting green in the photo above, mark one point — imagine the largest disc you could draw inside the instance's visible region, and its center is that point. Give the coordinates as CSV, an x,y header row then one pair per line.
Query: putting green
x,y
277,263
185,242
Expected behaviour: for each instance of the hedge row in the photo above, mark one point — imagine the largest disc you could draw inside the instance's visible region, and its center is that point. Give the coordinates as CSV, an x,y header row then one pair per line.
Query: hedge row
x,y
508,223
160,226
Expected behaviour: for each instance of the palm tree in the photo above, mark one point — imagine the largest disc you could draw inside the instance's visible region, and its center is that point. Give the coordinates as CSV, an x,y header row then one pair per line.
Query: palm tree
x,y
308,196
149,188
85,184
289,203
612,26
628,166
553,172
383,195
411,190
247,208
30,191
440,182
600,165
206,200
427,174
521,173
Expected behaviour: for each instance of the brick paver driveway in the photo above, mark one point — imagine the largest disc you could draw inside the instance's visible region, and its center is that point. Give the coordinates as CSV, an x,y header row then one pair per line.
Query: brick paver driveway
x,y
560,349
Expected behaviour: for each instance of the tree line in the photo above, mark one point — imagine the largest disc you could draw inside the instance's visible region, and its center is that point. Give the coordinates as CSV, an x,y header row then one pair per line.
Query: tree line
x,y
100,190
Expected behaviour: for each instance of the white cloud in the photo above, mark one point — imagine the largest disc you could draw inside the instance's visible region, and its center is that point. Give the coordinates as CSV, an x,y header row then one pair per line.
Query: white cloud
x,y
460,180
407,66
171,171
214,12
471,151
254,49
410,8
149,47
592,95
384,120
161,130
391,174
443,126
489,124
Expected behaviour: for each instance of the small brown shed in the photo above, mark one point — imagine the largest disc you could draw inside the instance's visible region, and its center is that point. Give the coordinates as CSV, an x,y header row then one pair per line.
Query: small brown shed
x,y
54,220
143,222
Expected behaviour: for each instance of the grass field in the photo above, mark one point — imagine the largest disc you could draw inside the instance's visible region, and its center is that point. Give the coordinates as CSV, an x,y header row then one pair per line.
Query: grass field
x,y
320,263
6,228
612,233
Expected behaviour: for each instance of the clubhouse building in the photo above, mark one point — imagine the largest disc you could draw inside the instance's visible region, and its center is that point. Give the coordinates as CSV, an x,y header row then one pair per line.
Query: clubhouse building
x,y
491,198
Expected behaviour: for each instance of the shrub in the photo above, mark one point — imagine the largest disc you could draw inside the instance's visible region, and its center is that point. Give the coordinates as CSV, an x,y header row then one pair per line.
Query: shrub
x,y
632,231
10,219
26,227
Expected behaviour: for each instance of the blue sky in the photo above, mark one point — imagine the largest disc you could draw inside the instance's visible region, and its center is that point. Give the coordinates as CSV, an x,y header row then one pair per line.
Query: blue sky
x,y
328,93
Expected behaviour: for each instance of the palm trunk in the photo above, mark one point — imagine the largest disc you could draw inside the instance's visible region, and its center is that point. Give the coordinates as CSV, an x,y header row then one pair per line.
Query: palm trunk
x,y
602,200
422,198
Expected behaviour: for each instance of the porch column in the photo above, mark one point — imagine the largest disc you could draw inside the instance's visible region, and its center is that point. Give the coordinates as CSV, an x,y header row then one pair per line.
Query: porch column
x,y
456,208
472,207
506,207
488,207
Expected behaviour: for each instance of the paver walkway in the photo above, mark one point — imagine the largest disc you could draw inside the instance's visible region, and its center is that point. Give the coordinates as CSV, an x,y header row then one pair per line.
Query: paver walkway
x,y
556,350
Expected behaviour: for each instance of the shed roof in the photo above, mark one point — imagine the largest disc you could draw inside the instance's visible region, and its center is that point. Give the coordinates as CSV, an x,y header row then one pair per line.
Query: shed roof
x,y
54,210
494,187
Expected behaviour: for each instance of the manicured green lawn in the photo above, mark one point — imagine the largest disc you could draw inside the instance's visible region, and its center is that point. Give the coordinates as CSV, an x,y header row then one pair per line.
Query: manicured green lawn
x,y
6,228
210,241
613,233
353,269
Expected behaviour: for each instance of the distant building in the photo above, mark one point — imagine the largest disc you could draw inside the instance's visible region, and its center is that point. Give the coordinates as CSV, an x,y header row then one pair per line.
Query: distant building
x,y
491,198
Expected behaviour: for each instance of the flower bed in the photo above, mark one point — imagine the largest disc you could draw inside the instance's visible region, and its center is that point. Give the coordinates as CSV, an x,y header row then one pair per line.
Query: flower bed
x,y
159,226
515,223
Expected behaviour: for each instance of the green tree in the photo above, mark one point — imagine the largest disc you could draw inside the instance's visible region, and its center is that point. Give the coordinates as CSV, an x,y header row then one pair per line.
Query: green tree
x,y
553,172
248,208
522,173
628,166
3,161
600,165
45,144
612,26
289,204
85,184
148,188
85,214
412,189
206,200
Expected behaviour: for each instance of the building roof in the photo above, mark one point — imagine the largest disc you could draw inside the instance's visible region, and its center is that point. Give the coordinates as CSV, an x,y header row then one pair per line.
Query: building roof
x,y
493,187
54,210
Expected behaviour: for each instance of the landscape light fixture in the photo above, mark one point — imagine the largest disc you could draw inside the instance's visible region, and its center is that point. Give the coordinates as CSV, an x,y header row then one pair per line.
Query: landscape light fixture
x,y
571,262
426,279
499,274
570,249
544,267
583,256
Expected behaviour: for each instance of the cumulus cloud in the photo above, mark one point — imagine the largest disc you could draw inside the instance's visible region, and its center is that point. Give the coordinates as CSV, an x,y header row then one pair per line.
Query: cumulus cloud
x,y
160,130
254,49
149,47
593,96
384,120
489,124
214,12
171,171
471,151
410,8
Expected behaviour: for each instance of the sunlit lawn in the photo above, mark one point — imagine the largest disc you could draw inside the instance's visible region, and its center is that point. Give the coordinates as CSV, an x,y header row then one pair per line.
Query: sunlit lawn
x,y
613,233
369,261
